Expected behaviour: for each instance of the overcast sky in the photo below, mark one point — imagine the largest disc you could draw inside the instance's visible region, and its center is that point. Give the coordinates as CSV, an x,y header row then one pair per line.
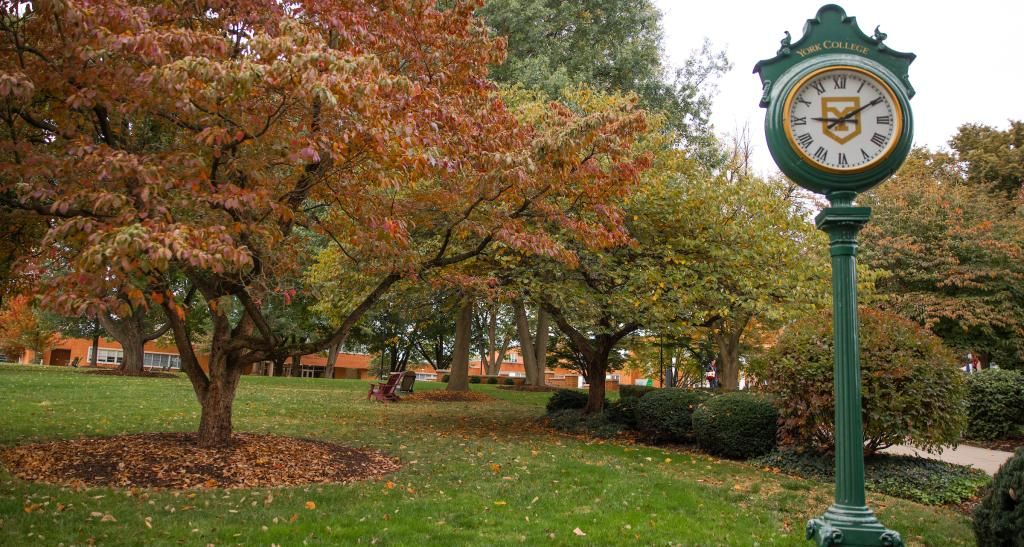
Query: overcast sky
x,y
969,66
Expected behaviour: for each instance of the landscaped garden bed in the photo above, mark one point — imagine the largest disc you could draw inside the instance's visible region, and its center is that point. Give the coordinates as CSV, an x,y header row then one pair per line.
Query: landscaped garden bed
x,y
172,460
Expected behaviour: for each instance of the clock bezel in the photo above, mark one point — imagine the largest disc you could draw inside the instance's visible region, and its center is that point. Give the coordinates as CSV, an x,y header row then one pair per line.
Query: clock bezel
x,y
897,119
811,175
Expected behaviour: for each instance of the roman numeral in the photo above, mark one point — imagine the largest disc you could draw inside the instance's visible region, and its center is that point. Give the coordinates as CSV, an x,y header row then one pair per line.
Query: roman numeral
x,y
861,86
884,120
842,160
865,154
820,154
839,82
819,87
798,120
879,139
805,139
801,100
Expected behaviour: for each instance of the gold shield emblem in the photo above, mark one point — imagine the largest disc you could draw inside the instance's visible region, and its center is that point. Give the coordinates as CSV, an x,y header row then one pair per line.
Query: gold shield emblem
x,y
834,108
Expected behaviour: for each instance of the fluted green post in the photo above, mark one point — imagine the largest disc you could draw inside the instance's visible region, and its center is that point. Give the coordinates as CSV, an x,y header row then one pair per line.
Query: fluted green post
x,y
848,521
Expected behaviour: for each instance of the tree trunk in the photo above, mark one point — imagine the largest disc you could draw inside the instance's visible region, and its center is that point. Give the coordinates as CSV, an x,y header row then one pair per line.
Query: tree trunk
x,y
215,420
134,355
332,358
296,369
95,350
128,332
728,341
526,348
597,370
540,347
458,379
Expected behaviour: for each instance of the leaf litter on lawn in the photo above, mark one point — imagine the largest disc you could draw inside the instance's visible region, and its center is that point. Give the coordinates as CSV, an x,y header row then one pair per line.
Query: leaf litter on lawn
x,y
172,460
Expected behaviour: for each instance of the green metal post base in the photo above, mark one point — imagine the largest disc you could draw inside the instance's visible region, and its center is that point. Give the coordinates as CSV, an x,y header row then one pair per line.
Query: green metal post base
x,y
851,526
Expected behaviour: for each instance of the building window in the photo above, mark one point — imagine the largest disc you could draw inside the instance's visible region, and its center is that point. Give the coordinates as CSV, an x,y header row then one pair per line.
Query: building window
x,y
511,358
111,356
426,376
310,372
614,377
163,361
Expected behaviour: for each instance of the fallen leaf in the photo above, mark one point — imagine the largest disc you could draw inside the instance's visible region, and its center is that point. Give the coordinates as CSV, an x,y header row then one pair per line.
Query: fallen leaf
x,y
310,505
501,503
579,532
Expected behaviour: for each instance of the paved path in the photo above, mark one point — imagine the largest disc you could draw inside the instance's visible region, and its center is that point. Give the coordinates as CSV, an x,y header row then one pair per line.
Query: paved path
x,y
981,458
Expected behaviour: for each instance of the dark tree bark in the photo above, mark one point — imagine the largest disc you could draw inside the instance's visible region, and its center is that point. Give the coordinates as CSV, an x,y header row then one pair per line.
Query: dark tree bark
x,y
595,350
332,359
534,350
130,332
727,338
458,378
95,350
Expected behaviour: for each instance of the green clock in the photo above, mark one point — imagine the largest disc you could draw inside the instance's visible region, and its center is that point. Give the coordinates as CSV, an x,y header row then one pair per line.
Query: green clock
x,y
838,106
842,119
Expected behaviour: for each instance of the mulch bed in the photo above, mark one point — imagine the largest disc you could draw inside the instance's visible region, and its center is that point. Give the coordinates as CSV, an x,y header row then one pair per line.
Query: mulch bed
x,y
443,396
145,374
530,388
172,460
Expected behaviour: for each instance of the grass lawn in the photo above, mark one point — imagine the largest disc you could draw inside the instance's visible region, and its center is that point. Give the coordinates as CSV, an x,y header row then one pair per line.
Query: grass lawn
x,y
473,473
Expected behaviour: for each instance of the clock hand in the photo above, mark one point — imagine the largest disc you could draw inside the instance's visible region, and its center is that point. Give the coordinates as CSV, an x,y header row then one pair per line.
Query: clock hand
x,y
847,117
832,120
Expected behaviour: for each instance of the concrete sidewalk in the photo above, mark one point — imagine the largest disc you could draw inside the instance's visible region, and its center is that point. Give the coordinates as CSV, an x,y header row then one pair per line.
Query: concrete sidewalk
x,y
980,458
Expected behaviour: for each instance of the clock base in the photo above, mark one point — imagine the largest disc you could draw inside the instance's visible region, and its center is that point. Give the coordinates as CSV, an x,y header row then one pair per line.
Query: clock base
x,y
843,525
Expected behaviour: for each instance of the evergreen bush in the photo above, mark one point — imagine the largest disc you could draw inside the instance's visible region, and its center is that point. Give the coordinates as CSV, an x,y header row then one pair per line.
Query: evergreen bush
x,y
665,415
445,378
509,382
736,425
492,380
995,403
999,518
634,392
623,411
565,399
474,379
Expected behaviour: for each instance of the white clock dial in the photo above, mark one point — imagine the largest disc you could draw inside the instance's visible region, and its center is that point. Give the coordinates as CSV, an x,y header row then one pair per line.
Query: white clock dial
x,y
842,119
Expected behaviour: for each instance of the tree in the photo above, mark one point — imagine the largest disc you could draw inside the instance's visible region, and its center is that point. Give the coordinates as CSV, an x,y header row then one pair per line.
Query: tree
x,y
202,139
951,256
987,155
495,327
23,328
612,46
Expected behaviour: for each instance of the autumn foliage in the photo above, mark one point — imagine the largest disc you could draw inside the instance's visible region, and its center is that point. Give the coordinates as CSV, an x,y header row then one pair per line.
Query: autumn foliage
x,y
912,393
229,142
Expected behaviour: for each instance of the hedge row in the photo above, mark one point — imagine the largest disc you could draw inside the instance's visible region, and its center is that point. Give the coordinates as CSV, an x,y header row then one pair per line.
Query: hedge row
x,y
734,425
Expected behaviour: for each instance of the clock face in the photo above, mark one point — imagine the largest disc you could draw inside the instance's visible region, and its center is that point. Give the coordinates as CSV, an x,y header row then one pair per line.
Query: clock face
x,y
842,119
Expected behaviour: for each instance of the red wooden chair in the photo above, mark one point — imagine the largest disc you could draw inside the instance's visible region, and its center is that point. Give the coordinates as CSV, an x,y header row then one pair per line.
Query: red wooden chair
x,y
385,392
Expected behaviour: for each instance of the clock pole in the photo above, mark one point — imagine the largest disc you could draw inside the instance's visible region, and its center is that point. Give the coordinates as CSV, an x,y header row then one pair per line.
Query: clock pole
x,y
832,41
848,521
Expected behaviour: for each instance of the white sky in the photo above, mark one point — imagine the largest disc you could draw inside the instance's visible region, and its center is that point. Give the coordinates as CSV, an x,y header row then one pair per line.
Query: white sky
x,y
969,66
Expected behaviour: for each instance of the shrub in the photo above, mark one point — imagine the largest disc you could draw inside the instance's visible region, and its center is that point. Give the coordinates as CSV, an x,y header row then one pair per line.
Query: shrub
x,y
623,411
474,379
573,420
999,518
492,379
666,414
917,479
509,382
565,399
995,403
445,378
736,425
634,392
912,388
